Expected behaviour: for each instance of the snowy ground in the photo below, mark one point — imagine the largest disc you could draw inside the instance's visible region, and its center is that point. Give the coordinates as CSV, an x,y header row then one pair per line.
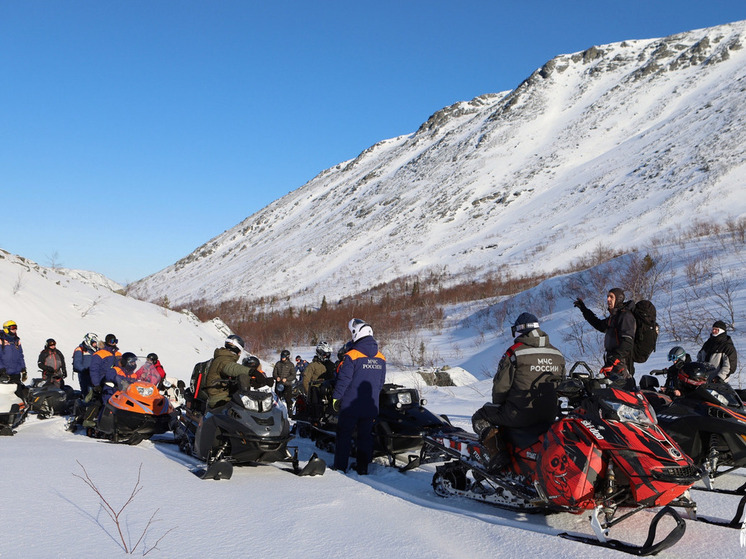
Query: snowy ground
x,y
267,512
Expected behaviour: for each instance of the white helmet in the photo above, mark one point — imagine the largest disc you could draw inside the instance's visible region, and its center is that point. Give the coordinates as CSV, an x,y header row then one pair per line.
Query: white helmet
x,y
359,329
90,339
324,350
235,342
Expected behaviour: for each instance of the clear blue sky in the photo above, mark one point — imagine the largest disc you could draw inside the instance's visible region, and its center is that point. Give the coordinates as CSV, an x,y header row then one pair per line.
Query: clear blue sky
x,y
134,131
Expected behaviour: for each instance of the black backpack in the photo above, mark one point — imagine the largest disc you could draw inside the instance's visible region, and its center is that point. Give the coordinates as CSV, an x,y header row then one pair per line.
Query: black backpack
x,y
199,375
646,334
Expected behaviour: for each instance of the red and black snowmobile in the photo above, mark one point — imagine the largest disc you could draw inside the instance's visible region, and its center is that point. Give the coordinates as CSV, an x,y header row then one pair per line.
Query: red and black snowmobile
x,y
708,420
605,454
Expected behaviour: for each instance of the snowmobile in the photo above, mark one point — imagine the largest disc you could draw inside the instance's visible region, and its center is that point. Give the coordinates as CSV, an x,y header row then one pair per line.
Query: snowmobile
x,y
135,413
47,398
708,421
250,428
402,422
604,454
13,408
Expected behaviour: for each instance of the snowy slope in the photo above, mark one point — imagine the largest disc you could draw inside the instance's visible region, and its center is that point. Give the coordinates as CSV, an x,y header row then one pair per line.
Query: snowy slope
x,y
584,152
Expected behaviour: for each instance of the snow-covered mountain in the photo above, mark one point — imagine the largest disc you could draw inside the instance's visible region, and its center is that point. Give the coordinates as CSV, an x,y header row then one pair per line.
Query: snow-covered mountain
x,y
584,149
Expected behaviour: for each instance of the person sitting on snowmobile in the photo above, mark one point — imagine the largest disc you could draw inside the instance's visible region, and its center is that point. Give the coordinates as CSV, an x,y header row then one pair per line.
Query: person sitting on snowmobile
x,y
152,371
317,369
215,380
52,364
523,389
678,358
101,366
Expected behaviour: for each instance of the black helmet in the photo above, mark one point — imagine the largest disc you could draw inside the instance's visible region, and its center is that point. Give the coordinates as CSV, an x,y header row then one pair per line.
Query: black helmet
x,y
677,354
111,339
284,354
234,343
251,362
128,361
152,357
694,374
524,323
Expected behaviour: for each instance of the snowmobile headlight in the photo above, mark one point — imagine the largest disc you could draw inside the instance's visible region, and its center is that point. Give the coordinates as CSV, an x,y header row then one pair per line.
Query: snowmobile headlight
x,y
403,399
250,403
257,401
623,412
145,391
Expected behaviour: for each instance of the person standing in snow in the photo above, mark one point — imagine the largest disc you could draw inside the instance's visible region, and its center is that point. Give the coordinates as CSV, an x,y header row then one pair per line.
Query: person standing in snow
x,y
82,361
719,351
52,363
359,382
284,375
619,328
12,361
523,389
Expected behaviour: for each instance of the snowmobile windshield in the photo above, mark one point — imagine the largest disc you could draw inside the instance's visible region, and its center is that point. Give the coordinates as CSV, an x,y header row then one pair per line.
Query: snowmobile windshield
x,y
148,373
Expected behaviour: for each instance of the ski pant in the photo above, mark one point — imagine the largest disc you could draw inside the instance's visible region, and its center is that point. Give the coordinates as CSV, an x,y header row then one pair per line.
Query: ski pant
x,y
84,378
346,425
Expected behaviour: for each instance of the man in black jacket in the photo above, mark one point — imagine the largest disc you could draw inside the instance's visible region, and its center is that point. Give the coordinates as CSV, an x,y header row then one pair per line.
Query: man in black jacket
x,y
719,352
619,328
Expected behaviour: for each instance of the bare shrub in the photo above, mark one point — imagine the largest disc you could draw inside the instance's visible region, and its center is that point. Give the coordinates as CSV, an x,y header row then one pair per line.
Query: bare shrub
x,y
115,514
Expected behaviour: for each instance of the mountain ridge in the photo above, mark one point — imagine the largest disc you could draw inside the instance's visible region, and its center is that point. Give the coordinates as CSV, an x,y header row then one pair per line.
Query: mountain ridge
x,y
582,147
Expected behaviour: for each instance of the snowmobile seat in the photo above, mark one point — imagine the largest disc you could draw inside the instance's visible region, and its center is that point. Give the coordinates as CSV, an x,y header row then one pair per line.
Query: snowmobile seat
x,y
523,437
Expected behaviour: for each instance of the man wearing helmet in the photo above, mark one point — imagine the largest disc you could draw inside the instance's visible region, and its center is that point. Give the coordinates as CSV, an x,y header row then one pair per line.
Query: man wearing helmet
x,y
82,361
317,369
678,358
217,389
284,375
52,363
523,389
12,361
356,393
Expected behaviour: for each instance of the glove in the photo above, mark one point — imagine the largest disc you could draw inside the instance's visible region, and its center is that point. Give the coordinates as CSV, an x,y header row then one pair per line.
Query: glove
x,y
336,405
715,379
579,304
64,375
479,422
24,376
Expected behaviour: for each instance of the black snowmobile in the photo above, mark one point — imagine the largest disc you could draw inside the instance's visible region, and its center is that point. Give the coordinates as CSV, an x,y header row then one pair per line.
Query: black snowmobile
x,y
403,421
47,398
250,428
708,421
13,408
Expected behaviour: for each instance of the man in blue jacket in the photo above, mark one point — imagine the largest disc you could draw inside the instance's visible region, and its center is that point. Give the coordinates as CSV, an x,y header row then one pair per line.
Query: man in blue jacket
x,y
12,361
359,382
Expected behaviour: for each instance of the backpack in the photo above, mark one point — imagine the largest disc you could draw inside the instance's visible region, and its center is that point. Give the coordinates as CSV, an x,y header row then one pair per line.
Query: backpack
x,y
646,334
199,374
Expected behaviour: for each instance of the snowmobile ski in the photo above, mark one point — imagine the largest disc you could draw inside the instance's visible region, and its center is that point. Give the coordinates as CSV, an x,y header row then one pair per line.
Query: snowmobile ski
x,y
646,549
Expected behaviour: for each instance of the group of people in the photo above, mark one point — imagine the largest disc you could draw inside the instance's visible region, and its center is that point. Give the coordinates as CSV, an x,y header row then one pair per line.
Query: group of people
x,y
358,380
524,395
102,369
